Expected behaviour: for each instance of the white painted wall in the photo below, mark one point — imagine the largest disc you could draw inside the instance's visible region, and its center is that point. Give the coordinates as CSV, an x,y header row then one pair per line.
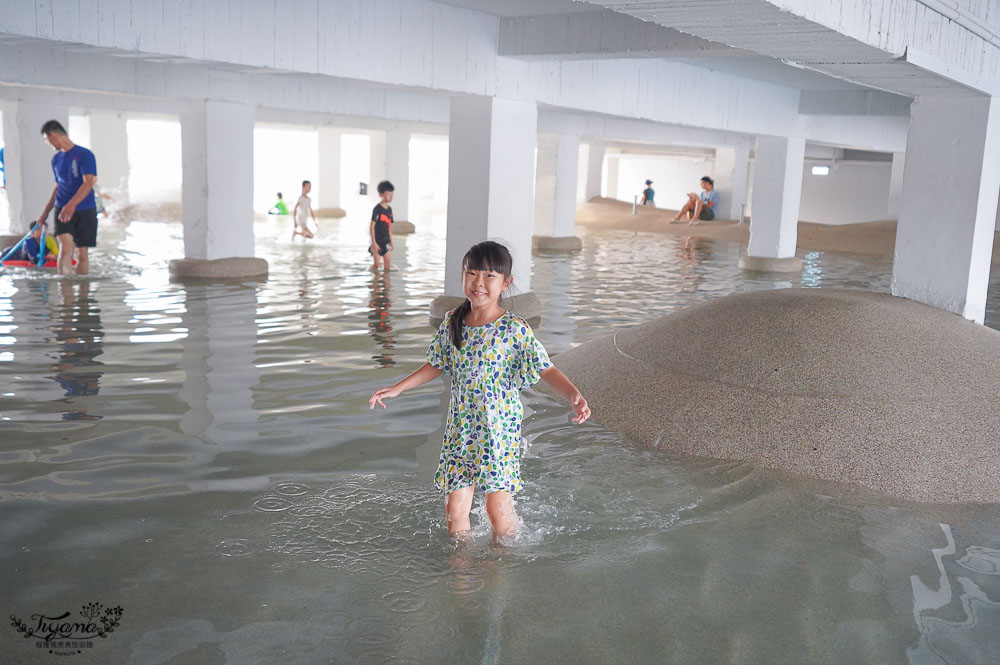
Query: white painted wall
x,y
673,178
852,192
154,155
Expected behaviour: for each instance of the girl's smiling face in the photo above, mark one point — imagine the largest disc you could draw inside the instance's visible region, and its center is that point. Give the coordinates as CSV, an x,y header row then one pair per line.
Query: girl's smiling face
x,y
483,287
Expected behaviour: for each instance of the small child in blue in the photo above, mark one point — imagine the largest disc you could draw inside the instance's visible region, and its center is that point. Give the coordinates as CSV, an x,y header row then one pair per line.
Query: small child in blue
x,y
491,356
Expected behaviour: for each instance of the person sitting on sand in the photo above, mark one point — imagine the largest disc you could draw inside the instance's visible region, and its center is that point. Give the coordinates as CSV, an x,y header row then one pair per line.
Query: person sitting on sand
x,y
700,208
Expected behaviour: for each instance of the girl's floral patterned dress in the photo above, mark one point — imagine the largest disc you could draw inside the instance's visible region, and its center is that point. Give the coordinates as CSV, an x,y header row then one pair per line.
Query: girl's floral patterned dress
x,y
482,437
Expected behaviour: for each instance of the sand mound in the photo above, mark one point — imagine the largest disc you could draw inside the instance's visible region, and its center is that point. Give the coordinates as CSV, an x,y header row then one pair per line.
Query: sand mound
x,y
868,238
841,385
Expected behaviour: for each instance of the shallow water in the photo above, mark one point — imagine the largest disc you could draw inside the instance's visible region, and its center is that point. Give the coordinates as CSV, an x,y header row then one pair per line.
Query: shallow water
x,y
203,456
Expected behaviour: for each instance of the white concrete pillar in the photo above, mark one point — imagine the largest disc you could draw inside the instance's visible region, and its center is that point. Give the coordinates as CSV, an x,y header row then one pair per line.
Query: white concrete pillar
x,y
217,190
109,142
28,159
595,169
732,169
776,194
397,171
614,162
895,185
944,240
491,155
376,162
555,185
329,139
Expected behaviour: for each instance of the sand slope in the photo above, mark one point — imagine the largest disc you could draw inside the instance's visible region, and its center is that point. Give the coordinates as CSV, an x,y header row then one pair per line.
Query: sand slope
x,y
869,238
841,385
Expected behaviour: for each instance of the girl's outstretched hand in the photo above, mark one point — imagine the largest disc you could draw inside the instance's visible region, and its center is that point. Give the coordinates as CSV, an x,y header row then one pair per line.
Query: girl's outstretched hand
x,y
581,408
381,394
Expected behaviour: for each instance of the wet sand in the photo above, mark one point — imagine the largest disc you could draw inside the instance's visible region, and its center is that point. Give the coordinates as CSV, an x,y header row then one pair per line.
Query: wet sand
x,y
868,238
841,385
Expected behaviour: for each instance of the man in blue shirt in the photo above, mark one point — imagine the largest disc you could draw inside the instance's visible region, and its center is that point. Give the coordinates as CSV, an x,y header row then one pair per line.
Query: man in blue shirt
x,y
701,207
75,171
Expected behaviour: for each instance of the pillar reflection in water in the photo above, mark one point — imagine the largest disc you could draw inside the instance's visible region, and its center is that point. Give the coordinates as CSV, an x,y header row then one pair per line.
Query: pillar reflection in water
x,y
218,362
79,336
950,634
379,319
692,252
553,275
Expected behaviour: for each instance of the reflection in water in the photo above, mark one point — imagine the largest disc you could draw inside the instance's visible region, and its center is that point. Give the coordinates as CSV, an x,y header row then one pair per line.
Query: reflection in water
x,y
218,362
693,252
379,321
956,635
80,338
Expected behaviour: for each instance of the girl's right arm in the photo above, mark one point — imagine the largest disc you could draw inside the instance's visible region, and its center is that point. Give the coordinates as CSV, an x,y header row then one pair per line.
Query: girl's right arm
x,y
427,372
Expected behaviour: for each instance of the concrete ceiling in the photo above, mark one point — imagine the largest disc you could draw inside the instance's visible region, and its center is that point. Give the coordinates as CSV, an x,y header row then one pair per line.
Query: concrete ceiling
x,y
512,8
741,63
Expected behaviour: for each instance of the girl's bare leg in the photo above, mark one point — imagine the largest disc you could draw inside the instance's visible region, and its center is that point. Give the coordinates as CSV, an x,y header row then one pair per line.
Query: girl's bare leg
x,y
457,506
501,512
385,260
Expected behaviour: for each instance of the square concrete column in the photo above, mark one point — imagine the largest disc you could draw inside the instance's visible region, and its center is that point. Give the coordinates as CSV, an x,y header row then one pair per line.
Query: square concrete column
x,y
328,199
595,170
217,191
614,163
731,174
895,185
491,155
28,159
376,162
397,171
944,240
555,192
777,190
109,141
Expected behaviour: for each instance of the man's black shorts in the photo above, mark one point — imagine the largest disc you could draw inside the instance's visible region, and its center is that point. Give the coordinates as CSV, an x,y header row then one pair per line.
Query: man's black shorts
x,y
82,226
706,214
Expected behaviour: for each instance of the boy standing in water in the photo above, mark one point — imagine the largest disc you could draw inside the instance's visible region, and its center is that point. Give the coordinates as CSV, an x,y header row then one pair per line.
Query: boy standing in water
x,y
303,210
381,226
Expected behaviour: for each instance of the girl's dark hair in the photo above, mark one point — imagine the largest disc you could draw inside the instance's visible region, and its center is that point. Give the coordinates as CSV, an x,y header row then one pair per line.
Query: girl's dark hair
x,y
487,255
708,180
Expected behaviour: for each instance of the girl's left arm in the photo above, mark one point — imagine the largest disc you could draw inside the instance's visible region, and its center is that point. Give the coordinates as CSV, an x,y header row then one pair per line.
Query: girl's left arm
x,y
561,384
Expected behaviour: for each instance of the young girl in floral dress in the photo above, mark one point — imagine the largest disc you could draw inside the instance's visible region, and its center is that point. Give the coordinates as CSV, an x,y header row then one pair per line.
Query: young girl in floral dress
x,y
491,356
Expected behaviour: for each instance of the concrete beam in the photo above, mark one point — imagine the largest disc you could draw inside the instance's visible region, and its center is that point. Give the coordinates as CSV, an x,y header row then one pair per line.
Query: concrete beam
x,y
599,35
853,102
893,45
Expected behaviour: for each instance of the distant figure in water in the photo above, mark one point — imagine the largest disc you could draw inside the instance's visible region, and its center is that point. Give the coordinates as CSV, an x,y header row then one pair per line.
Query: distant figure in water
x,y
279,208
491,356
303,210
380,230
701,207
648,194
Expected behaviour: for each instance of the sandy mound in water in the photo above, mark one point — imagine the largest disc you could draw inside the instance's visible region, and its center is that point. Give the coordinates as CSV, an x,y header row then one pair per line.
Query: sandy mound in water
x,y
869,238
841,385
